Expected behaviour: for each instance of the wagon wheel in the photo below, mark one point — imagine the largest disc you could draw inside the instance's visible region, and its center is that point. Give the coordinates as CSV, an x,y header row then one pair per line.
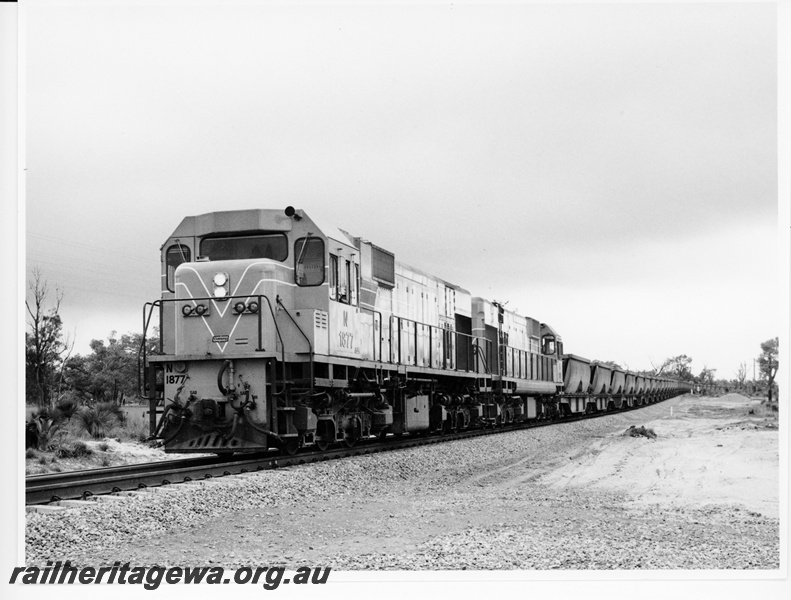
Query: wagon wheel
x,y
325,434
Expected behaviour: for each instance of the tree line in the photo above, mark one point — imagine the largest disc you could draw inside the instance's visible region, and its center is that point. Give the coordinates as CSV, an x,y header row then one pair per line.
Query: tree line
x,y
54,376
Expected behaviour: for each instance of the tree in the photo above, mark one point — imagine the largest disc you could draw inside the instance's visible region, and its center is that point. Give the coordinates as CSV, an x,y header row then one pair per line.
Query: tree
x,y
109,373
741,374
45,349
678,366
768,362
706,376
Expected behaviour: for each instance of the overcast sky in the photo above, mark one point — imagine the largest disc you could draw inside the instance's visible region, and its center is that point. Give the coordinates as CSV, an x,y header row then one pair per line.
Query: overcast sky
x,y
608,169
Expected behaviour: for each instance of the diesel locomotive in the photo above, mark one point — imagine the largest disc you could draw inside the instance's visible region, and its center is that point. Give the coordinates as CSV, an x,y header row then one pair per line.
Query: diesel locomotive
x,y
280,331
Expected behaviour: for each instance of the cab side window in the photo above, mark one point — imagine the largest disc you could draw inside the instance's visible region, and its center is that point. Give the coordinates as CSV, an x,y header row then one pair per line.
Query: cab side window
x,y
344,280
309,261
175,255
333,277
549,345
355,284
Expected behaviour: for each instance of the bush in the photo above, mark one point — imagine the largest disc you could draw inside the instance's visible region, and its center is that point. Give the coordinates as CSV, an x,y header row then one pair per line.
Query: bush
x,y
67,407
43,429
75,449
99,420
640,431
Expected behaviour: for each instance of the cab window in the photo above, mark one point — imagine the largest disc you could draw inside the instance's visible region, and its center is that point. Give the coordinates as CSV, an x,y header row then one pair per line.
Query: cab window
x,y
333,277
309,261
343,281
239,247
549,345
355,283
175,256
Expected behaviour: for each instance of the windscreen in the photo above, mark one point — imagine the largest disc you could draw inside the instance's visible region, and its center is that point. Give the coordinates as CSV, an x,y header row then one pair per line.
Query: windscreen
x,y
266,245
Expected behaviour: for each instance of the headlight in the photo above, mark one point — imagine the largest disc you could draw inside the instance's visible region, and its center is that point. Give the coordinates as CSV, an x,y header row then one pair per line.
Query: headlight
x,y
221,285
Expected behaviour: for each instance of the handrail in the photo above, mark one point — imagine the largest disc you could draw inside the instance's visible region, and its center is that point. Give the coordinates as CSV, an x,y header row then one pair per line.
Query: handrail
x,y
479,351
142,354
310,346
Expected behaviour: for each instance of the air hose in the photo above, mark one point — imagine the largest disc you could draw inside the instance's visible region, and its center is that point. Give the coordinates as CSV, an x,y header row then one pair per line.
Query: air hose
x,y
225,391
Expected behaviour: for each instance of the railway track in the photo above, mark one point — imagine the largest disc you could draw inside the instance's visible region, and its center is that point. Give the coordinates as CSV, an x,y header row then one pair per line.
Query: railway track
x,y
41,489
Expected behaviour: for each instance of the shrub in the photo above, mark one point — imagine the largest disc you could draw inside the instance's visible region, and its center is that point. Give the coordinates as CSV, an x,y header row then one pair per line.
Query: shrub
x,y
104,446
75,449
67,407
640,431
43,429
31,453
99,420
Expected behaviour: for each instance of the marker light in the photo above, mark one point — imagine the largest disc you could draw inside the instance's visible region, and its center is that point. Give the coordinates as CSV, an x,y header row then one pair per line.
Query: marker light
x,y
186,310
200,309
253,307
239,307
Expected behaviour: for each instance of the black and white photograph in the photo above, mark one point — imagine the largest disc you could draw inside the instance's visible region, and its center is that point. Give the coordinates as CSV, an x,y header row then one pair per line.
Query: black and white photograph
x,y
397,298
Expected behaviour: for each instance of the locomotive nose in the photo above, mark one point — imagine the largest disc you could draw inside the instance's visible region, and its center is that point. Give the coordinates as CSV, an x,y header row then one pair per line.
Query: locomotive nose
x,y
221,306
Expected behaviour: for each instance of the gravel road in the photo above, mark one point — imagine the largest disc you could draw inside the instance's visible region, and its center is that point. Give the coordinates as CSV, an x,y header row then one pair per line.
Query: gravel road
x,y
477,504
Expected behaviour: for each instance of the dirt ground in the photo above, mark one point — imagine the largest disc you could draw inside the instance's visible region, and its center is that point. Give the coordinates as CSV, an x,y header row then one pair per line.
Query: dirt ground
x,y
710,451
702,494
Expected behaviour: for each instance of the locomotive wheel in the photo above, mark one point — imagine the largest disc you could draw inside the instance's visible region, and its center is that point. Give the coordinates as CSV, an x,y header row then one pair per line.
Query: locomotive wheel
x,y
353,433
322,444
291,446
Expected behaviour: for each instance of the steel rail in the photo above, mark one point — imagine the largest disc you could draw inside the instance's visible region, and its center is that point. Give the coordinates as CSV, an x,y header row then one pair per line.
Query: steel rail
x,y
40,489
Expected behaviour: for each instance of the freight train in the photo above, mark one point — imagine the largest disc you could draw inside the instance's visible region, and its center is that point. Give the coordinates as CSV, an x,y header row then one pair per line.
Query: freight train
x,y
277,331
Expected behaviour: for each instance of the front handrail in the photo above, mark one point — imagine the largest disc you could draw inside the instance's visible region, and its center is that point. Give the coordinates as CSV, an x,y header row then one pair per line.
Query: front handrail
x,y
142,354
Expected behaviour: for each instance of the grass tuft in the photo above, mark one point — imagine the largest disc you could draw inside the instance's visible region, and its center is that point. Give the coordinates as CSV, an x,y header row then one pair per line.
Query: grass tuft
x,y
101,419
